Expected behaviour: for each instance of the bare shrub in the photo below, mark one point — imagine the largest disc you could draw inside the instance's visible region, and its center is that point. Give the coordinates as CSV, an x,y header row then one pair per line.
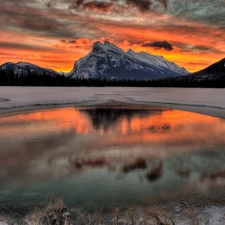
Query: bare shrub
x,y
53,212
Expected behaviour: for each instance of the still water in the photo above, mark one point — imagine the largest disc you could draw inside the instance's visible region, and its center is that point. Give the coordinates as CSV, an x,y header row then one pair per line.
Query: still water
x,y
109,156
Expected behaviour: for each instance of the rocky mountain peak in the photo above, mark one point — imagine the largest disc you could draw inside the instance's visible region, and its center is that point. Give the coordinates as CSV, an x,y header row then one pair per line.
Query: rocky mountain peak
x,y
106,60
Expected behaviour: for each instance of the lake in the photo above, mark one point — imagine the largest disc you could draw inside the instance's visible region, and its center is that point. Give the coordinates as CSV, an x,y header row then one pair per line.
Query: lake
x,y
108,156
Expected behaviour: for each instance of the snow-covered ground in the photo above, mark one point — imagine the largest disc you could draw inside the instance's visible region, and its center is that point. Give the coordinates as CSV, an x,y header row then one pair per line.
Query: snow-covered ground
x,y
206,101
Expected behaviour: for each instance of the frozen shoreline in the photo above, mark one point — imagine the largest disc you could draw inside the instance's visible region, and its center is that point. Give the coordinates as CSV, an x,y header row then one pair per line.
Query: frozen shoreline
x,y
205,101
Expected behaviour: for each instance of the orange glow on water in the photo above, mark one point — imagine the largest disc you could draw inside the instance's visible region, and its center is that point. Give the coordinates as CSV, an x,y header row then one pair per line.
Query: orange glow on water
x,y
167,126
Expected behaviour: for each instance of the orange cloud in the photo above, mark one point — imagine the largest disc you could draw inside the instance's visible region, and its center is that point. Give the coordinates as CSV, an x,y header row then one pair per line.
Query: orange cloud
x,y
64,32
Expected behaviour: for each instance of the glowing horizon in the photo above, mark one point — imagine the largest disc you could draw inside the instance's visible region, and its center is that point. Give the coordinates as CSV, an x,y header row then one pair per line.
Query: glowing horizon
x,y
56,33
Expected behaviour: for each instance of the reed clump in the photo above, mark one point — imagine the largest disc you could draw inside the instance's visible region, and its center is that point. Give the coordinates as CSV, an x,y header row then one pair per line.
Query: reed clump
x,y
52,212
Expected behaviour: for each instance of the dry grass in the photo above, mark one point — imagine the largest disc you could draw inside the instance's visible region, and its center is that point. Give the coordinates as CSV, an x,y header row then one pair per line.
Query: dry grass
x,y
36,219
91,219
161,216
116,216
2,221
53,212
137,215
196,219
193,217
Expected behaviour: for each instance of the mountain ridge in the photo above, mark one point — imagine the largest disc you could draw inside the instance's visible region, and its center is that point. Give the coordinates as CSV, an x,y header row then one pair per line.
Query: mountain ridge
x,y
107,61
110,62
27,74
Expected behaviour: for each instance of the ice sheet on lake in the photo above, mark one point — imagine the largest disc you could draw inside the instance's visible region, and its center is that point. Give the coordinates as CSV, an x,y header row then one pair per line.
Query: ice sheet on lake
x,y
34,96
183,96
19,97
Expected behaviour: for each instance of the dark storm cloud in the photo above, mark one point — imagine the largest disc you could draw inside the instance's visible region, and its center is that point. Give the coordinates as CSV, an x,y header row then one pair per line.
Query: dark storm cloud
x,y
105,6
91,5
142,5
159,44
99,6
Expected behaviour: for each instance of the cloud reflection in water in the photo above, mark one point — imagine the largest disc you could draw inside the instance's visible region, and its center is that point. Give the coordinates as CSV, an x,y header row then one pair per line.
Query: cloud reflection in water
x,y
150,151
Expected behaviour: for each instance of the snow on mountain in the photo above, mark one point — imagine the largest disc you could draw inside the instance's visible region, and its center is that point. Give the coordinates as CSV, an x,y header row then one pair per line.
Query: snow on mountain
x,y
110,62
24,68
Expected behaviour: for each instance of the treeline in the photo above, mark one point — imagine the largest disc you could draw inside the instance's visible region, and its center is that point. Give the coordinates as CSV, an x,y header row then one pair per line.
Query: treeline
x,y
191,82
8,78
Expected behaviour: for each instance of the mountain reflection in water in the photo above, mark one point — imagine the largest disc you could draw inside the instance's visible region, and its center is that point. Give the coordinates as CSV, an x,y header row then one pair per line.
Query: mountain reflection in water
x,y
110,155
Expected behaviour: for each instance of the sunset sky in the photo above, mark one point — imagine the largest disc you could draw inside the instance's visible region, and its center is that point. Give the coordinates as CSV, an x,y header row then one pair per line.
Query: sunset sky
x,y
56,33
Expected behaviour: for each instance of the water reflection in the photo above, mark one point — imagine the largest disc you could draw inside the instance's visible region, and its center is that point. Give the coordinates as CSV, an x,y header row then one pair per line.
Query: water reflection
x,y
110,155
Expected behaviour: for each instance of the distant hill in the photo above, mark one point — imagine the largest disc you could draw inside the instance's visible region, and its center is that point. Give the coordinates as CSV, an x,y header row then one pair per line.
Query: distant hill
x,y
213,76
24,68
27,74
214,71
110,62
